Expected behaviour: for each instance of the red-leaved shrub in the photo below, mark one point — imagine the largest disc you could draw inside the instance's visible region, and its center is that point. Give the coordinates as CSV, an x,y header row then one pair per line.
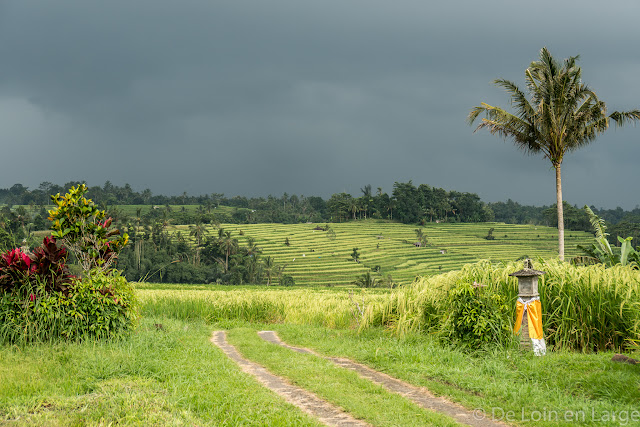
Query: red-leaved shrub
x,y
47,266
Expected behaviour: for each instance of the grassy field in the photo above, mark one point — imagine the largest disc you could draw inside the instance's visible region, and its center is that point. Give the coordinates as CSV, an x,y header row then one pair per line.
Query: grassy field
x,y
167,376
313,258
168,373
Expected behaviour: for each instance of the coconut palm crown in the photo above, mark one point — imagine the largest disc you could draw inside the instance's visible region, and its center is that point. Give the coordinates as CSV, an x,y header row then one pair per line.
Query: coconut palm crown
x,y
557,114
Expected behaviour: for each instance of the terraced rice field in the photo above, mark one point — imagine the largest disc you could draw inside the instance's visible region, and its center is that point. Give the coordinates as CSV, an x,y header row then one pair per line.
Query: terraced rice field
x,y
313,258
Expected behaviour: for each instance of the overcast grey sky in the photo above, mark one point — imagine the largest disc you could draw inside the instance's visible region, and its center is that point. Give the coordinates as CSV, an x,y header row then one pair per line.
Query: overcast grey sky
x,y
305,97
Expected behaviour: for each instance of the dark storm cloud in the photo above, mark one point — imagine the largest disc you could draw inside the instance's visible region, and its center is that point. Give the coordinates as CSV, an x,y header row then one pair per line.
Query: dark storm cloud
x,y
254,97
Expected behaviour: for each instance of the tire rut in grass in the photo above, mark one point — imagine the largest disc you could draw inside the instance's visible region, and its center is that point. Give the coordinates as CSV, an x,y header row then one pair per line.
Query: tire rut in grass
x,y
303,399
421,396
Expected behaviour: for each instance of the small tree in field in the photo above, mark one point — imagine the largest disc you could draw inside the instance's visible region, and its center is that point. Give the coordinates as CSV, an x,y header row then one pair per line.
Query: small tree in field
x,y
84,229
355,254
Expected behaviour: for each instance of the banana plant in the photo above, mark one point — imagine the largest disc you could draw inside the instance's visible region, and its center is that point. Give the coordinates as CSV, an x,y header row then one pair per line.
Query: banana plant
x,y
601,251
628,255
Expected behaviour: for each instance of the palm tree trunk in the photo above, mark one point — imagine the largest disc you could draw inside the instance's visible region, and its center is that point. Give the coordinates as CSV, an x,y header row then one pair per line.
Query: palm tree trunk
x,y
560,214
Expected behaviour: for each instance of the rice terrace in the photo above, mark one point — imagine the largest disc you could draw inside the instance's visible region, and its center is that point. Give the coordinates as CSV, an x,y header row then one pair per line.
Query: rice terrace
x,y
419,307
316,257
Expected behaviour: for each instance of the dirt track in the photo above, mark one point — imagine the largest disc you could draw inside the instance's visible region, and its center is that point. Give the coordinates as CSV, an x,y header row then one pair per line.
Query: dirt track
x,y
308,402
420,396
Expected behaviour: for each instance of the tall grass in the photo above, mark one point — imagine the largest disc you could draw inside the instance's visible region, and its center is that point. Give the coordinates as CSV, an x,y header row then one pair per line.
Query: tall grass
x,y
297,306
586,308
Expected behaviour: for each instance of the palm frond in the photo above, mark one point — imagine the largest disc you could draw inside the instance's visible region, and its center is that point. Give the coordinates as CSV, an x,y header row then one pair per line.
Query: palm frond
x,y
623,117
518,98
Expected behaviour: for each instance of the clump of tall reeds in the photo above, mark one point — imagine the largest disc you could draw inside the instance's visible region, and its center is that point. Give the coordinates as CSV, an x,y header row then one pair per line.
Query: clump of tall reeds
x,y
588,308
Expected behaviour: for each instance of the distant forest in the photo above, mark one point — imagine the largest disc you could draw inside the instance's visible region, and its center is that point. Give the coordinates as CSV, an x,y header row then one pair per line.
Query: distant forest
x,y
408,203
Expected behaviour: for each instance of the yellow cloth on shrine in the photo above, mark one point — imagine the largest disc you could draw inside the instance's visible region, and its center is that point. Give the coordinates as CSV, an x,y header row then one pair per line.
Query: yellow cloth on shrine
x,y
534,310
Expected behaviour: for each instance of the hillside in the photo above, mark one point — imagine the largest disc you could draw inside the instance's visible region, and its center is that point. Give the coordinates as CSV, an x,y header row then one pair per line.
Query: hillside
x,y
314,258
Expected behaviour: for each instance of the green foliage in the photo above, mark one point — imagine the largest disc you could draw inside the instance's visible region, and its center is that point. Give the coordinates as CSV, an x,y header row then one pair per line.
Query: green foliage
x,y
331,235
97,306
422,238
41,301
206,255
366,281
327,308
7,241
81,226
287,280
490,235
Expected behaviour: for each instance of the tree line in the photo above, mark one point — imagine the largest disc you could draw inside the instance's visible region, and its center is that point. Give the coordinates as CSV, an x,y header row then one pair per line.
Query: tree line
x,y
24,210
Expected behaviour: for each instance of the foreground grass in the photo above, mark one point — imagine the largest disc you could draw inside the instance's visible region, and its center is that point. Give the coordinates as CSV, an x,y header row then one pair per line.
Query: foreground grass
x,y
537,390
167,376
175,376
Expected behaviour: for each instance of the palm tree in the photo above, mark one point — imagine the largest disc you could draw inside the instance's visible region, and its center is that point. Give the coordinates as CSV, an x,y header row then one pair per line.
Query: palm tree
x,y
431,212
366,199
228,244
366,281
390,206
269,267
422,239
560,115
197,231
252,249
353,207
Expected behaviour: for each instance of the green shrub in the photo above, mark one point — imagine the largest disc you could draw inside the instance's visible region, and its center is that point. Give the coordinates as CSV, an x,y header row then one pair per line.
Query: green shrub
x,y
95,307
476,316
287,280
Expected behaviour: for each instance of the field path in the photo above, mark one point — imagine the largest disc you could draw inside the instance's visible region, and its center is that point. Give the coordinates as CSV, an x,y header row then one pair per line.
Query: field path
x,y
308,402
421,396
